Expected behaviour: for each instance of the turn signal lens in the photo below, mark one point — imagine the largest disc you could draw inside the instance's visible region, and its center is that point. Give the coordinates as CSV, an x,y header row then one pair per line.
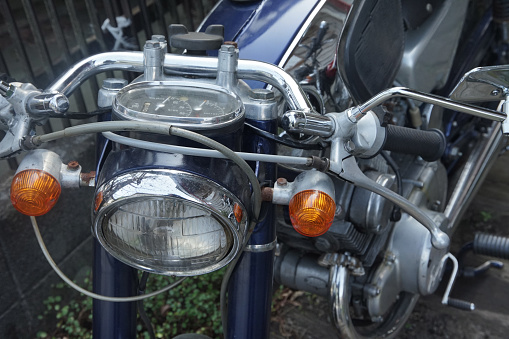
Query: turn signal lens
x,y
312,212
34,192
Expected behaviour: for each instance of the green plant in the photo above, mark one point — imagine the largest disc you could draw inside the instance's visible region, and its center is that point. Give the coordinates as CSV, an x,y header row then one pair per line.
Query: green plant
x,y
486,216
191,307
73,319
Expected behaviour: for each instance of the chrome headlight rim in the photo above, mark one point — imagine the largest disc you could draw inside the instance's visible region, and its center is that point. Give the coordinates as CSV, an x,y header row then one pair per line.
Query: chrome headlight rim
x,y
113,194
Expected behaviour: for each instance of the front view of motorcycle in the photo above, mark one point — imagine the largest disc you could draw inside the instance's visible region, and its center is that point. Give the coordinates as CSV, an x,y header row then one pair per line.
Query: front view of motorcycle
x,y
288,141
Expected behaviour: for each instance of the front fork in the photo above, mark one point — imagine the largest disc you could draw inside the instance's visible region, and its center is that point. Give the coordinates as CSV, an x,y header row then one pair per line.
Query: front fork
x,y
250,288
115,279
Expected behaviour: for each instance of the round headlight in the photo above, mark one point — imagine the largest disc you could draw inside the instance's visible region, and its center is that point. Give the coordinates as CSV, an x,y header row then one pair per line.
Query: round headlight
x,y
169,222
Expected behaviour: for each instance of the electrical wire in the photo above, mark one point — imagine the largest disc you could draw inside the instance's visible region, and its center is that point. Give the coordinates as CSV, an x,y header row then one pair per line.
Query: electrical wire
x,y
201,152
281,140
105,126
396,211
392,164
78,115
141,309
84,291
256,203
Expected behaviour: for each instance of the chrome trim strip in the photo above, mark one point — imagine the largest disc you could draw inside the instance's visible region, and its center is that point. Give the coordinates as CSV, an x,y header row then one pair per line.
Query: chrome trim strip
x,y
300,33
208,15
261,248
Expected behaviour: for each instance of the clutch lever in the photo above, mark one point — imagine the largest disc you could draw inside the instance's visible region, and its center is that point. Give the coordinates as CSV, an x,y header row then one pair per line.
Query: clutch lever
x,y
352,173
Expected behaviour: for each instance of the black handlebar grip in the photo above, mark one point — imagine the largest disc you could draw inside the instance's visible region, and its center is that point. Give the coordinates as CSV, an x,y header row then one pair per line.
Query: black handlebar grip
x,y
429,145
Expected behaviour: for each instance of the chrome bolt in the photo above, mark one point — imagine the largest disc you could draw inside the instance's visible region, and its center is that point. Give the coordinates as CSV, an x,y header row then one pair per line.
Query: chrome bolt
x,y
152,44
371,290
160,38
350,146
495,92
114,83
390,258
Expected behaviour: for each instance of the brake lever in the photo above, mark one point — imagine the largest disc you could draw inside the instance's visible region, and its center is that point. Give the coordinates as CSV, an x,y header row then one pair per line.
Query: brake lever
x,y
352,173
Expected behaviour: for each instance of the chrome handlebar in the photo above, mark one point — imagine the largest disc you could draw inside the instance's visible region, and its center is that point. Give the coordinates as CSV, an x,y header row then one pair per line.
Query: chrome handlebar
x,y
179,65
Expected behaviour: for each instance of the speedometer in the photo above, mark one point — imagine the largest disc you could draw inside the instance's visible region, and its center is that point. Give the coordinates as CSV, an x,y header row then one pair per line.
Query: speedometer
x,y
195,106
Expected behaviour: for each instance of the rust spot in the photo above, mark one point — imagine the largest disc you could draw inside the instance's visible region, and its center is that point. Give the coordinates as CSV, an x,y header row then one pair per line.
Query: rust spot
x,y
73,165
87,177
233,43
267,193
282,182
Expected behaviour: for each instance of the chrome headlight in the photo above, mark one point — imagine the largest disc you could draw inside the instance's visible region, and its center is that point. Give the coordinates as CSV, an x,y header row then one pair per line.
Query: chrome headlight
x,y
169,221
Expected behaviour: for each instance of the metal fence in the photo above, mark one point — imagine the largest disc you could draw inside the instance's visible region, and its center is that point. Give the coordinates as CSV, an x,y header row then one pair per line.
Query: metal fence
x,y
40,39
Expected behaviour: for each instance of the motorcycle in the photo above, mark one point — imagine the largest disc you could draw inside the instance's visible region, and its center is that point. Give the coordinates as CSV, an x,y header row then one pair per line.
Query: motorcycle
x,y
299,163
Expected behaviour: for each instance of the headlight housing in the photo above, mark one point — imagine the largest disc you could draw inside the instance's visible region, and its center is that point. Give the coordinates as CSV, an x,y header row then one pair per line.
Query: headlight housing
x,y
169,221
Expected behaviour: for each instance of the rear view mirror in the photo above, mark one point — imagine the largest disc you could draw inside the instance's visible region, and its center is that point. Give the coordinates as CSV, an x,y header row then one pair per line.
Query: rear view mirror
x,y
483,84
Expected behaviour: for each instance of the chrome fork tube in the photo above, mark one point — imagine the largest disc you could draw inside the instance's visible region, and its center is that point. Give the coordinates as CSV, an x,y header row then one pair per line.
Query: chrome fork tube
x,y
479,162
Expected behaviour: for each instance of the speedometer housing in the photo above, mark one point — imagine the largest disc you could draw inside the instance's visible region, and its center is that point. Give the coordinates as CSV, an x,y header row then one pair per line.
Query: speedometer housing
x,y
198,107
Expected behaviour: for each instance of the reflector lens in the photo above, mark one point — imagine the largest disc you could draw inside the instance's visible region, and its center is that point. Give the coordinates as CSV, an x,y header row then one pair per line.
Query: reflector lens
x,y
237,211
34,192
167,233
312,212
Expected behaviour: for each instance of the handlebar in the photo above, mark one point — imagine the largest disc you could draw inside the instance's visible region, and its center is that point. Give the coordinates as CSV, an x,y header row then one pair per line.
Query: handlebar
x,y
179,65
429,145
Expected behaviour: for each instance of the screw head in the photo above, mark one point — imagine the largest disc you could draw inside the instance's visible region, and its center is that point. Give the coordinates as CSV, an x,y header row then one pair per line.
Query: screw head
x,y
495,92
350,146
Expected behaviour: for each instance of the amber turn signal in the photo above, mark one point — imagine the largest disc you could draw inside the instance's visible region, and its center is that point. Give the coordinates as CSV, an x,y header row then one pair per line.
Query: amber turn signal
x,y
34,192
312,212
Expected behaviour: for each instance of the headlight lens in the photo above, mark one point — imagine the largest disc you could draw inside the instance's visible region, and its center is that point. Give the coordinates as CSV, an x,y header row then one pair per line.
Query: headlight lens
x,y
169,222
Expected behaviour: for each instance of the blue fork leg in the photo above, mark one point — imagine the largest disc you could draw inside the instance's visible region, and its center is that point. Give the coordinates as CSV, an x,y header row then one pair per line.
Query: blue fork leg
x,y
250,289
113,320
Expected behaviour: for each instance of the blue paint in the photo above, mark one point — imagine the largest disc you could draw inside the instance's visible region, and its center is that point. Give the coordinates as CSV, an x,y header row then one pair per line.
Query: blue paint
x,y
115,279
249,297
250,288
233,16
